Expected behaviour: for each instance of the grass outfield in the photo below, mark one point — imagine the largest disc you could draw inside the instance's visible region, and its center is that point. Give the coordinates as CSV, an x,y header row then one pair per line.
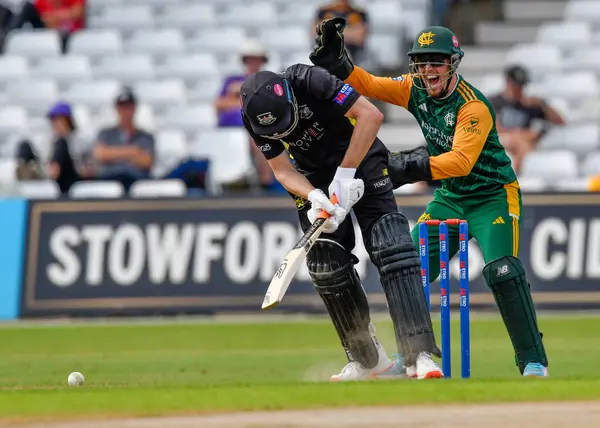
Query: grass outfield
x,y
184,368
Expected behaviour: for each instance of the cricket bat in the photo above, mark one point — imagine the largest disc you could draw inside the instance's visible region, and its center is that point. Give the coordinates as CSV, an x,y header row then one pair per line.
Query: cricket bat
x,y
293,260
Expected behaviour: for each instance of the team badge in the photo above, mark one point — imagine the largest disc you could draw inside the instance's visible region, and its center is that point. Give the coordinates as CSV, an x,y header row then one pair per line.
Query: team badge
x,y
450,119
305,112
426,39
266,119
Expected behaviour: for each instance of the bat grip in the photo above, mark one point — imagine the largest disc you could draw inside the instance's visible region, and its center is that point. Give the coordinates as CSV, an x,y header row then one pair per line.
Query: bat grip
x,y
325,214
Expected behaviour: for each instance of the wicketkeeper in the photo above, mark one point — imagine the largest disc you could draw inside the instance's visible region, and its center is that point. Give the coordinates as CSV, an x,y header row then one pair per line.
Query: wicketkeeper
x,y
463,151
330,132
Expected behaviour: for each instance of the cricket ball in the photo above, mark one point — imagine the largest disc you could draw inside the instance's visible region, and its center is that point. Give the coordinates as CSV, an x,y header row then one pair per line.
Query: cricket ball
x,y
76,379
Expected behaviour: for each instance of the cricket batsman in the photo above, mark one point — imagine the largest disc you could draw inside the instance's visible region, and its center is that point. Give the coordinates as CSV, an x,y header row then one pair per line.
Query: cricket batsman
x,y
330,131
463,151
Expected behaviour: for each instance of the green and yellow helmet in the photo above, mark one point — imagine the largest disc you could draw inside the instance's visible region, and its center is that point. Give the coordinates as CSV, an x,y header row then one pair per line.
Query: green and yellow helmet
x,y
435,41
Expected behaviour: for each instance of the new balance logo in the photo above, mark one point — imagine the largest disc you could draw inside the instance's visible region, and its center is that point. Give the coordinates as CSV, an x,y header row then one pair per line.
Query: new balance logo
x,y
423,107
502,270
499,220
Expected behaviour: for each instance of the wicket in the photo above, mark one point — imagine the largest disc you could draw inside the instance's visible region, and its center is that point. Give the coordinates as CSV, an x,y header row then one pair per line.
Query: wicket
x,y
463,250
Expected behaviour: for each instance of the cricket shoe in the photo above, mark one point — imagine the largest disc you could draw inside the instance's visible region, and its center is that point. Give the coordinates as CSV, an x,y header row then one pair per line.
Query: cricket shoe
x,y
398,369
356,371
535,370
425,368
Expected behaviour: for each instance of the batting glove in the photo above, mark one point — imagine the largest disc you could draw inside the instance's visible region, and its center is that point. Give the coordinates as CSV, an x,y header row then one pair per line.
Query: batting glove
x,y
320,202
346,188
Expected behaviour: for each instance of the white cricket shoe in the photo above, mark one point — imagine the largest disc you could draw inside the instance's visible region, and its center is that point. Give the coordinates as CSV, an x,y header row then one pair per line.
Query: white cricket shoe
x,y
356,371
425,368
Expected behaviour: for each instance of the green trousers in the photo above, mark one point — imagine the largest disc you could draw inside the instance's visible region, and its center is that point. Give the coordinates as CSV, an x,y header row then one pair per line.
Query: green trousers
x,y
494,220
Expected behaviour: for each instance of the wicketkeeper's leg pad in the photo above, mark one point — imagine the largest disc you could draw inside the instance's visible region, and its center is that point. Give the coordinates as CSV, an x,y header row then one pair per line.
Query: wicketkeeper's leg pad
x,y
332,271
506,278
392,250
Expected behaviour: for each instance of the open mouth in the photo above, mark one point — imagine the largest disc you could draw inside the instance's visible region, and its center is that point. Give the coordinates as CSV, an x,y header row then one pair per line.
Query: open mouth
x,y
433,81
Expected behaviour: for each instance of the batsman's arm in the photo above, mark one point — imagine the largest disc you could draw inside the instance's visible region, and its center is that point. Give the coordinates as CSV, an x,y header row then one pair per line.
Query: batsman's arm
x,y
473,125
390,90
288,177
367,120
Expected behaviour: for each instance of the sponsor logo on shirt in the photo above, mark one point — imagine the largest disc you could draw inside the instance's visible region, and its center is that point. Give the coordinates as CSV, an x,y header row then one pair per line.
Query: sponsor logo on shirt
x,y
343,94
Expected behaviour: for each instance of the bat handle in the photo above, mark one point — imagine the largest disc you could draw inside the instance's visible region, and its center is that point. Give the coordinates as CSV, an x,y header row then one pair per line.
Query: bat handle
x,y
325,214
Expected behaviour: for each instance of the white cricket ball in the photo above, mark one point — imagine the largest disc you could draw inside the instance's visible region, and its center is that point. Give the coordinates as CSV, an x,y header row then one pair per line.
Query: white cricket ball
x,y
76,379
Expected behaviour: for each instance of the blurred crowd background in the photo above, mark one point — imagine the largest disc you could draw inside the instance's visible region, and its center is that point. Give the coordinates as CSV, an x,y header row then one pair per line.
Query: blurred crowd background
x,y
108,98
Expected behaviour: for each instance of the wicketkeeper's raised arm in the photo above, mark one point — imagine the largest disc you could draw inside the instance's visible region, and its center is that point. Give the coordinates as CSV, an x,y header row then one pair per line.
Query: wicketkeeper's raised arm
x,y
390,90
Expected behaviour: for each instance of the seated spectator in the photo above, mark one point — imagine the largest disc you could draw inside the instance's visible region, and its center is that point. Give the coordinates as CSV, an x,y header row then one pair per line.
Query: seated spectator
x,y
254,57
29,166
124,152
516,114
356,32
64,16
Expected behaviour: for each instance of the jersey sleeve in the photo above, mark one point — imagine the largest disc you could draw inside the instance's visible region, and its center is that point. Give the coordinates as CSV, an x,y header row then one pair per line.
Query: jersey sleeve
x,y
390,90
269,148
474,123
325,87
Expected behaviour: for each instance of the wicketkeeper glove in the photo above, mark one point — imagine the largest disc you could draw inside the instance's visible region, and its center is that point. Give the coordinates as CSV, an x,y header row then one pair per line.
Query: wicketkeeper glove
x,y
409,166
330,52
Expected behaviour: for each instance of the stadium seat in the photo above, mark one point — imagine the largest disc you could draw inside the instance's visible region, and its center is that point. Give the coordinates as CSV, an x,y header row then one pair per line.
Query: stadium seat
x,y
93,93
386,49
584,58
13,118
571,185
126,69
384,15
161,93
218,40
537,57
591,164
228,151
190,118
156,42
82,118
124,18
190,67
298,14
97,190
565,34
552,165
284,39
169,188
300,57
96,43
581,138
205,91
401,137
13,67
35,94
532,184
33,43
38,189
408,189
8,167
583,10
573,86
188,17
413,21
64,69
492,84
249,15
171,142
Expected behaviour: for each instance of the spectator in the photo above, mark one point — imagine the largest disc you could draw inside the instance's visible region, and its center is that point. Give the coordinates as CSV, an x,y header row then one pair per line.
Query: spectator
x,y
516,115
254,57
356,32
64,16
124,152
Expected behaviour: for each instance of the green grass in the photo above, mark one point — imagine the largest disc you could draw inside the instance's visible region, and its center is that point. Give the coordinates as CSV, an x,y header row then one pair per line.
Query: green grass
x,y
183,368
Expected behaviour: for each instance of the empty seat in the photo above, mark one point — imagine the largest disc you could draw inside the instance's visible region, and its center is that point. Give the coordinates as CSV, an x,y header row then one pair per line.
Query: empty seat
x,y
96,190
13,119
38,189
36,94
386,49
572,86
285,39
536,57
565,34
492,84
8,169
93,93
581,138
218,40
162,93
188,17
190,118
13,67
124,18
583,10
552,165
205,91
64,68
571,185
168,188
193,66
156,42
300,57
384,15
249,15
591,164
532,184
298,14
228,151
33,43
171,143
96,43
413,21
126,69
584,58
